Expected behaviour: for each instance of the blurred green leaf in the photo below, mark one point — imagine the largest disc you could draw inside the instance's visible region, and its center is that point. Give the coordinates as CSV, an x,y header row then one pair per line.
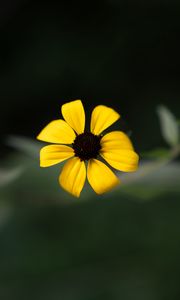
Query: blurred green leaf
x,y
9,175
151,181
25,145
39,185
6,212
156,153
169,125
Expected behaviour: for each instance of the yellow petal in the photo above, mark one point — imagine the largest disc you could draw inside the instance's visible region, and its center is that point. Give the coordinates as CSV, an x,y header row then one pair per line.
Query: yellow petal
x,y
57,131
73,113
116,140
102,117
100,177
73,176
54,154
123,160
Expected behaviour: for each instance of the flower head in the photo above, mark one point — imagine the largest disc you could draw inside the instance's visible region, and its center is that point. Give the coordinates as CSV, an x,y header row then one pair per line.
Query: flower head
x,y
70,141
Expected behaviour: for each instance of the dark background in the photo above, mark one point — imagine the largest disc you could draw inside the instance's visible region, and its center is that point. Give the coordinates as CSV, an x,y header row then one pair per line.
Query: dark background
x,y
120,53
124,245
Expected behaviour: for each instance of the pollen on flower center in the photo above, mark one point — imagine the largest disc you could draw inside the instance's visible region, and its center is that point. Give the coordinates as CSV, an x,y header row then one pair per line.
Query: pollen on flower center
x,y
86,145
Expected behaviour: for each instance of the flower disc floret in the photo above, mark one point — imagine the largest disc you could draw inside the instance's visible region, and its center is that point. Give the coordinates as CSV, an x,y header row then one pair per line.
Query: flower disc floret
x,y
86,146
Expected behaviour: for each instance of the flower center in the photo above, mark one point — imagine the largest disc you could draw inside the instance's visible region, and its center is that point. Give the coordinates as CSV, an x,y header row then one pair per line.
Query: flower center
x,y
86,145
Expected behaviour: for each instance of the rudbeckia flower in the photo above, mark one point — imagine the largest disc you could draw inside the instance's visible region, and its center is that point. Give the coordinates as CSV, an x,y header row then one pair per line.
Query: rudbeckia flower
x,y
71,142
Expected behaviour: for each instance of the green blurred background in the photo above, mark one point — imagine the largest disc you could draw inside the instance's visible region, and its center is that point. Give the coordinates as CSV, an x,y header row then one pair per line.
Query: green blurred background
x,y
125,244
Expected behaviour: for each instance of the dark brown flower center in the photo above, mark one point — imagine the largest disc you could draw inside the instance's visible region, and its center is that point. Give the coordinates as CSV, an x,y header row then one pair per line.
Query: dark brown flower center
x,y
86,145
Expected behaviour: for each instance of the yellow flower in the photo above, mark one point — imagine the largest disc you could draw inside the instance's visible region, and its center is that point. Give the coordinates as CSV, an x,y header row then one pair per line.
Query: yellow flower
x,y
114,147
